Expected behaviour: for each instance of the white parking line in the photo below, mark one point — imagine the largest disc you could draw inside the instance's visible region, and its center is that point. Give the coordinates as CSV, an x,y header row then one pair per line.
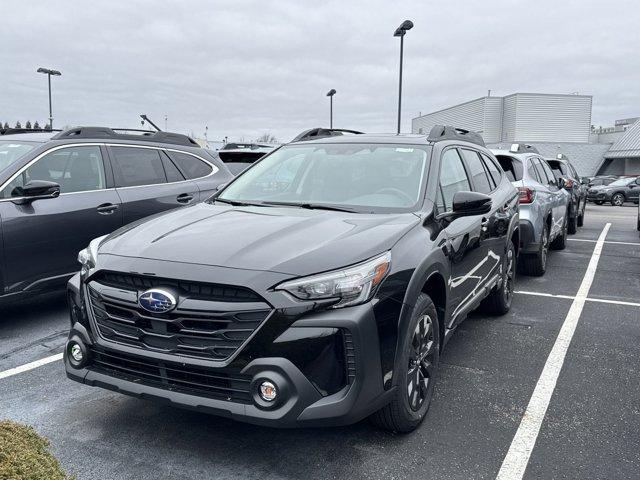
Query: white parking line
x,y
588,299
30,366
541,294
517,458
608,241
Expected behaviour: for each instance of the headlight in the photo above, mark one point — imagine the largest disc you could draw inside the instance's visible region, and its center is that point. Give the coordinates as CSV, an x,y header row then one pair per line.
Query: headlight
x,y
87,257
352,285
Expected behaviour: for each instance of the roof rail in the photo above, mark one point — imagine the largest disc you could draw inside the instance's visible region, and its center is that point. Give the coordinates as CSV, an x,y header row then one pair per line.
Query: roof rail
x,y
110,133
446,132
523,148
318,132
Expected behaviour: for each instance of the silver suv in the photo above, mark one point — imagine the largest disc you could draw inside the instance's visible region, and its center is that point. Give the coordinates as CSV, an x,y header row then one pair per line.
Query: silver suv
x,y
543,205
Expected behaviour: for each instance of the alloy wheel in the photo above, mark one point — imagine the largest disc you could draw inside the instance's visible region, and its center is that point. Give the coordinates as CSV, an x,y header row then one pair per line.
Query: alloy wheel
x,y
421,357
618,200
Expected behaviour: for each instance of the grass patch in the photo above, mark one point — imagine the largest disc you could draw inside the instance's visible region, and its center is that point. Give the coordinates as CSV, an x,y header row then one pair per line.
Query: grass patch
x,y
24,455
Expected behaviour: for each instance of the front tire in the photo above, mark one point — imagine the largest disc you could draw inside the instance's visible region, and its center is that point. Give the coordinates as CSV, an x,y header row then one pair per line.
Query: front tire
x,y
617,200
498,302
418,370
581,216
573,222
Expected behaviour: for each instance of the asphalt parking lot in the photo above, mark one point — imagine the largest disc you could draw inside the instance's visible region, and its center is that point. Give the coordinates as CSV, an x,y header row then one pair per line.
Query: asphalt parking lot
x,y
490,369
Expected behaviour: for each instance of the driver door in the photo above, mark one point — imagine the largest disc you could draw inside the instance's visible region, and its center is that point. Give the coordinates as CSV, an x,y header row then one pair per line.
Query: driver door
x,y
467,248
43,237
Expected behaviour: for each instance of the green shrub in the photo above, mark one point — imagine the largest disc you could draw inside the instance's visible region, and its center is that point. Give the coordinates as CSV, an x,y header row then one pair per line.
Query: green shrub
x,y
24,455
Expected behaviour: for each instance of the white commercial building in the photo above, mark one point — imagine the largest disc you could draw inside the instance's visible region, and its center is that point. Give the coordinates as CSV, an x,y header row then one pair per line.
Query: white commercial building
x,y
553,123
520,117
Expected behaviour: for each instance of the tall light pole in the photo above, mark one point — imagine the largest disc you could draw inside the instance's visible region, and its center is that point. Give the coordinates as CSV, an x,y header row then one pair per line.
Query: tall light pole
x,y
49,72
330,94
400,32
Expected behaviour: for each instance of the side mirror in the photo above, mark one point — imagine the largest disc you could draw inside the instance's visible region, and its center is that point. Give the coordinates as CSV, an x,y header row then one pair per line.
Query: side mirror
x,y
561,182
35,190
470,203
584,181
221,186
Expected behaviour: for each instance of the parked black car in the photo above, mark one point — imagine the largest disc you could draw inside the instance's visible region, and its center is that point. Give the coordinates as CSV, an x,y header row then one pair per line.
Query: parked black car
x,y
238,156
562,168
617,192
318,301
60,190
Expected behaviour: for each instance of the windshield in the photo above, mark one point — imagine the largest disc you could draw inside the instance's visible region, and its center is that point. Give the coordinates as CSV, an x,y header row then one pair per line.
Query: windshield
x,y
363,177
622,182
10,151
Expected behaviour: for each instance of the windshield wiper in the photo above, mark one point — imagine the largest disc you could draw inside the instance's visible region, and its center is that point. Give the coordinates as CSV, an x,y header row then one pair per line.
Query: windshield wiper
x,y
315,206
237,203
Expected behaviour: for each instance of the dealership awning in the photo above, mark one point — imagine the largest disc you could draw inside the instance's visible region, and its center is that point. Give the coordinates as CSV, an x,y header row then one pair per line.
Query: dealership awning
x,y
627,146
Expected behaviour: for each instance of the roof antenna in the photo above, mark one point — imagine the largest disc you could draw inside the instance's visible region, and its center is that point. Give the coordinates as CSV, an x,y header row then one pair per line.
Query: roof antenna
x,y
145,118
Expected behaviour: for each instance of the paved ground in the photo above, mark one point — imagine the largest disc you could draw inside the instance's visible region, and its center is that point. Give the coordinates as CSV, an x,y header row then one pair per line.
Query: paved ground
x,y
490,368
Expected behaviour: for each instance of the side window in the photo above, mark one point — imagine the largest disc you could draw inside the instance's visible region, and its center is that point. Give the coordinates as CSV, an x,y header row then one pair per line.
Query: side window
x,y
548,172
173,174
453,177
75,169
494,170
477,172
535,172
189,165
137,166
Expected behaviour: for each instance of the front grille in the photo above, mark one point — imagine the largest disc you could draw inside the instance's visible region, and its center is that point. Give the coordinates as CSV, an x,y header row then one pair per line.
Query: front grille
x,y
172,376
195,290
205,324
350,355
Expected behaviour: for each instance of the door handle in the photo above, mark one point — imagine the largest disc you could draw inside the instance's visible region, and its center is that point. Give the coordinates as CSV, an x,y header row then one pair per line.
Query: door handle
x,y
107,208
184,198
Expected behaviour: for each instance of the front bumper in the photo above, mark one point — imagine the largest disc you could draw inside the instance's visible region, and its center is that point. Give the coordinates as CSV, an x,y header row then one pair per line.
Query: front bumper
x,y
274,353
598,197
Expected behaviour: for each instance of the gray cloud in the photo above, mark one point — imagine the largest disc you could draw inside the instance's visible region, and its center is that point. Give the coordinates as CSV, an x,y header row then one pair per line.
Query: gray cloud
x,y
248,67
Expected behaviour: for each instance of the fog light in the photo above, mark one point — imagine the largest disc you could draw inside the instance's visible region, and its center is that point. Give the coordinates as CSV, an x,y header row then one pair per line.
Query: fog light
x,y
268,391
76,353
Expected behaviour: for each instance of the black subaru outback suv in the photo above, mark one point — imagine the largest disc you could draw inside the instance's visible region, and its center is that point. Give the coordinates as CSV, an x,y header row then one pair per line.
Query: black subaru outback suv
x,y
318,288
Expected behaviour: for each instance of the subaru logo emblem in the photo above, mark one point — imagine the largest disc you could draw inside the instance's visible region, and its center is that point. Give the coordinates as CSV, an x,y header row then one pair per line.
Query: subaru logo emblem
x,y
157,301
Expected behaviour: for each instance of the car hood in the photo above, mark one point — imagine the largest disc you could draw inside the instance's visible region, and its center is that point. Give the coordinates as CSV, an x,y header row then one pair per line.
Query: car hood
x,y
293,241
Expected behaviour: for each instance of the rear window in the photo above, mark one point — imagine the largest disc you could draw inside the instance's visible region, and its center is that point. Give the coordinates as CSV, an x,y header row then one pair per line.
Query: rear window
x,y
190,166
10,151
512,167
559,169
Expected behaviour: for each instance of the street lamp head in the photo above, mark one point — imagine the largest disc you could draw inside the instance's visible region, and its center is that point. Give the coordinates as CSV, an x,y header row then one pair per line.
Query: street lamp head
x,y
403,28
331,92
49,71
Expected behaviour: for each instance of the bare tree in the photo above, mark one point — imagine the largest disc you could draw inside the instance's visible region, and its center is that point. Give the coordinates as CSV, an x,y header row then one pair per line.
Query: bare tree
x,y
36,126
18,124
267,138
28,125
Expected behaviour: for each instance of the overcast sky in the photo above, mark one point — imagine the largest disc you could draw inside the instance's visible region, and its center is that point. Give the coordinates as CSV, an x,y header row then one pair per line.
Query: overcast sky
x,y
244,68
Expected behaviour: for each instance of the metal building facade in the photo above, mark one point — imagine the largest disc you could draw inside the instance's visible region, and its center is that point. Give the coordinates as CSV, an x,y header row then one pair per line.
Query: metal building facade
x,y
520,117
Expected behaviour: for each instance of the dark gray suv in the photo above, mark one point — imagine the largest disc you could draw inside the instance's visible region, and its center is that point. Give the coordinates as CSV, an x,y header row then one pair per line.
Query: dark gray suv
x,y
59,190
